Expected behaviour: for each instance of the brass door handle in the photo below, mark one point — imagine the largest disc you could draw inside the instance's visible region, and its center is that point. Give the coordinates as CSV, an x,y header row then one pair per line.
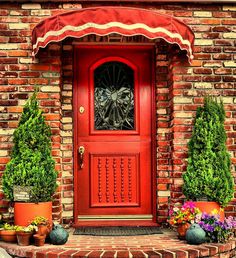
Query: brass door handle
x,y
81,151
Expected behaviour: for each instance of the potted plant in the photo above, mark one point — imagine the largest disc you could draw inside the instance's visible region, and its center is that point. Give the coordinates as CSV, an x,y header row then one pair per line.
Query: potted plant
x,y
43,225
182,216
23,234
31,166
39,240
217,231
208,172
8,233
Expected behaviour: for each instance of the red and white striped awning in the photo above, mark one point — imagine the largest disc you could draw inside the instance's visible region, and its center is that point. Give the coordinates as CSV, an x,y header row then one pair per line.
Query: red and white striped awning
x,y
103,21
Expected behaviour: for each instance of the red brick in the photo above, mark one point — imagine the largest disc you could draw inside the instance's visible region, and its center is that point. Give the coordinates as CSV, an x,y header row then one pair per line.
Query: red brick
x,y
166,253
212,249
95,254
81,254
201,28
25,33
55,253
26,89
3,26
192,252
223,42
222,57
211,49
8,60
153,254
180,253
10,74
4,12
138,254
31,19
183,13
229,22
221,29
202,71
4,160
15,109
212,35
203,251
41,254
29,74
211,21
230,49
211,78
17,81
40,67
229,79
109,254
18,67
17,53
30,254
39,81
68,254
51,117
8,102
17,40
5,32
192,78
122,254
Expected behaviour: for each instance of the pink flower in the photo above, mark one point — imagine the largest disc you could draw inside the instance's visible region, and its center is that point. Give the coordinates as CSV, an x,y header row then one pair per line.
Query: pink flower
x,y
189,205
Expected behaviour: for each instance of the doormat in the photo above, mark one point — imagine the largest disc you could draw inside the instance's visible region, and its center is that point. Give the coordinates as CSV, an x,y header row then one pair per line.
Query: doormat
x,y
117,231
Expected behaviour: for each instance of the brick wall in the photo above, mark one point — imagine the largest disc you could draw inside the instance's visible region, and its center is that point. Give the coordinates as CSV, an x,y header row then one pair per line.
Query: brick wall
x,y
179,90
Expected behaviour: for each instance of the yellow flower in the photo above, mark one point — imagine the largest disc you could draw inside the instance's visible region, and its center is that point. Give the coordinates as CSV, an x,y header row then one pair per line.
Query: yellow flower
x,y
214,212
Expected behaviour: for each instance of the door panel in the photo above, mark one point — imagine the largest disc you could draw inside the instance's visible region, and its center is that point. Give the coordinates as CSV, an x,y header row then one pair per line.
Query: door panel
x,y
114,180
112,103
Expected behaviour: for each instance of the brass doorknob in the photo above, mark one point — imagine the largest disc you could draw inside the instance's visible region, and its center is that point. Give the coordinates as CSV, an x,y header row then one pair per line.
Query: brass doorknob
x,y
81,151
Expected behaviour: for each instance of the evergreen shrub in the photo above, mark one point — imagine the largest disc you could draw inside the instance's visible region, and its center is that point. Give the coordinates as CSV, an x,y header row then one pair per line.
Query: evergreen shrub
x,y
208,172
31,162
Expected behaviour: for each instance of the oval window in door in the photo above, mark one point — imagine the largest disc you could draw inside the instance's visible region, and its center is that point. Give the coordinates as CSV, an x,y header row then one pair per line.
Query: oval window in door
x,y
114,97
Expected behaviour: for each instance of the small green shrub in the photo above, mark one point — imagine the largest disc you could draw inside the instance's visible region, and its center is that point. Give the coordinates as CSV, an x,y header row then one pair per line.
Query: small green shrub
x,y
208,172
31,161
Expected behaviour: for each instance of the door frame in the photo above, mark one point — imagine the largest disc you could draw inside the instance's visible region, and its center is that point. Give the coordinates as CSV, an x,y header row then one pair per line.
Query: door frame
x,y
75,91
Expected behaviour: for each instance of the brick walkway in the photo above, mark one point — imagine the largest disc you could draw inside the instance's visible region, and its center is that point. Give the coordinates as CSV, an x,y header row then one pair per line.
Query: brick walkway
x,y
164,245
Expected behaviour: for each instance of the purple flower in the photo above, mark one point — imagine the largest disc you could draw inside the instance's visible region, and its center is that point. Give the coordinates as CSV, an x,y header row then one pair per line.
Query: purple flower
x,y
216,230
210,228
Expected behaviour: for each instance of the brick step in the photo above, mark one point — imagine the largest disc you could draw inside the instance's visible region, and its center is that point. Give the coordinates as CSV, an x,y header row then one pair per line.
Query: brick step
x,y
165,245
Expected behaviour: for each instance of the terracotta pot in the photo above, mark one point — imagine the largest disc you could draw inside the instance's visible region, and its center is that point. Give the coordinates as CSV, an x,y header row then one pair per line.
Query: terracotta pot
x,y
8,235
23,238
210,207
182,229
39,240
43,230
24,212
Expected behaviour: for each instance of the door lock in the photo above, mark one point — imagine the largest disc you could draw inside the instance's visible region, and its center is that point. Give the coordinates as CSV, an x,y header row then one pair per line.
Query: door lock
x,y
81,151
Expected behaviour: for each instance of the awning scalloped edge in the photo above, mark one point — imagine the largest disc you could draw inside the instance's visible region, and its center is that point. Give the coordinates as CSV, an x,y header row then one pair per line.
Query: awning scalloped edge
x,y
103,21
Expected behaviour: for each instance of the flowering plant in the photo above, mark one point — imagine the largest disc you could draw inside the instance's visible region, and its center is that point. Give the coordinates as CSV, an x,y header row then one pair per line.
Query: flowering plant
x,y
184,214
27,229
39,220
216,230
7,226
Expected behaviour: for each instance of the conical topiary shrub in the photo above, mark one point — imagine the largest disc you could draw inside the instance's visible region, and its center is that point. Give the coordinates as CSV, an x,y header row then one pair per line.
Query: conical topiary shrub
x,y
31,161
208,172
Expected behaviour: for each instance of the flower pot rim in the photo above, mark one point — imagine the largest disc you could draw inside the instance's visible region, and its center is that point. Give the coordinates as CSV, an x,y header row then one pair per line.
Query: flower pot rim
x,y
10,231
23,233
38,236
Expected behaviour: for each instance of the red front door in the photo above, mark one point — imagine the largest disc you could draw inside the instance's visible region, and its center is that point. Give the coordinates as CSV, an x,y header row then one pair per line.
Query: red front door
x,y
112,134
